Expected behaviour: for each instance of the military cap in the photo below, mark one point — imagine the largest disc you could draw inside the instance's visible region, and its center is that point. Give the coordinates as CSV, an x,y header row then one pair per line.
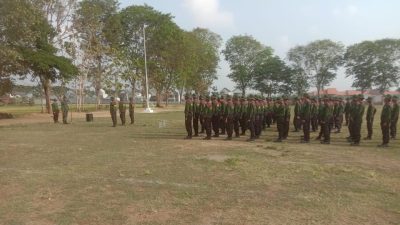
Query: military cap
x,y
369,98
388,97
360,97
395,97
278,99
305,95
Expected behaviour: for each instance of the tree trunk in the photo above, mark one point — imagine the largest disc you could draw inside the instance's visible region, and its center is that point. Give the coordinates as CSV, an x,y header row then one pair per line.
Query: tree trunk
x,y
98,100
166,98
318,92
144,96
158,99
244,92
181,95
76,95
98,81
133,90
46,89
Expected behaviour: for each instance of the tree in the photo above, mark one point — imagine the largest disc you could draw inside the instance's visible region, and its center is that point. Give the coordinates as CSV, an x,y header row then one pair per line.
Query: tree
x,y
241,53
387,67
198,57
163,38
300,79
374,64
91,21
6,86
14,36
271,75
208,57
360,62
43,63
28,42
319,60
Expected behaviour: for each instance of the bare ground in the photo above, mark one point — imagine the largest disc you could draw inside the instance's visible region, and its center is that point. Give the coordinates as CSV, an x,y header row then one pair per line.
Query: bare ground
x,y
91,173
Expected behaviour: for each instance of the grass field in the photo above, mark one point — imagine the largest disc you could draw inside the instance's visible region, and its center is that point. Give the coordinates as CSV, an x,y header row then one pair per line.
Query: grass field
x,y
19,111
90,173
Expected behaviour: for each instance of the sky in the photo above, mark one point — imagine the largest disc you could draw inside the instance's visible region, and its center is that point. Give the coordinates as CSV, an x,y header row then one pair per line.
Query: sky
x,y
283,24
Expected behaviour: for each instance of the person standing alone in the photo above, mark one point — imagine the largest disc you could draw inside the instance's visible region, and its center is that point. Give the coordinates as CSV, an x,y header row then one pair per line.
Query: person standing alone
x,y
64,109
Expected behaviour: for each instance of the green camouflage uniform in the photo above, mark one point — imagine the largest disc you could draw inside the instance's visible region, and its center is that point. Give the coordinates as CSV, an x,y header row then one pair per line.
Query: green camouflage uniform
x,y
386,119
64,109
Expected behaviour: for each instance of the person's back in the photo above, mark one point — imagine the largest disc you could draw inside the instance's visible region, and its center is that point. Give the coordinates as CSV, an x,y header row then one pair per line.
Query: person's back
x,y
64,109
56,110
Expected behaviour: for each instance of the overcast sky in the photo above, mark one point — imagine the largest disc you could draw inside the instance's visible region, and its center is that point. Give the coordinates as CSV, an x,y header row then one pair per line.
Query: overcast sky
x,y
282,24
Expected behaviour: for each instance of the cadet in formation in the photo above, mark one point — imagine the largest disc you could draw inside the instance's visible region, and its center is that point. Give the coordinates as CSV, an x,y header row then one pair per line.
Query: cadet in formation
x,y
371,111
132,110
386,119
122,109
188,116
64,109
235,116
56,110
395,117
113,111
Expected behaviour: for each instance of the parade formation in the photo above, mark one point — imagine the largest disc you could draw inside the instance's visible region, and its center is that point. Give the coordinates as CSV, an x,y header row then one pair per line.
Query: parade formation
x,y
234,116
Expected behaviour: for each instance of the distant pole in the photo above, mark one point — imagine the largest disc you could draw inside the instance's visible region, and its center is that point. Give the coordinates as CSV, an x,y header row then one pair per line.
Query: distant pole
x,y
148,109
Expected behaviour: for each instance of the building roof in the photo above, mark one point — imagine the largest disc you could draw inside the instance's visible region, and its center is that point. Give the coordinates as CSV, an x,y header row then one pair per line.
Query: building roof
x,y
334,91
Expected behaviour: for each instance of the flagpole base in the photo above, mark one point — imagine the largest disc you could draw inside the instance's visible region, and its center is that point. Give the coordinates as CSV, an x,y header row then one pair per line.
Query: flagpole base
x,y
148,110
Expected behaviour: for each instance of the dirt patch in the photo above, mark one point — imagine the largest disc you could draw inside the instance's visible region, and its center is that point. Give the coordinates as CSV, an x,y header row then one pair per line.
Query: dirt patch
x,y
217,158
48,200
140,215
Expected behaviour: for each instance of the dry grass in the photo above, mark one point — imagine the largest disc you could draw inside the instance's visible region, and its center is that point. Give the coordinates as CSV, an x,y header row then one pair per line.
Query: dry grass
x,y
91,173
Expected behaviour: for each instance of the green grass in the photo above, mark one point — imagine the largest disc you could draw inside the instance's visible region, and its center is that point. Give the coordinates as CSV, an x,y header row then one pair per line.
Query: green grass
x,y
19,111
91,173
